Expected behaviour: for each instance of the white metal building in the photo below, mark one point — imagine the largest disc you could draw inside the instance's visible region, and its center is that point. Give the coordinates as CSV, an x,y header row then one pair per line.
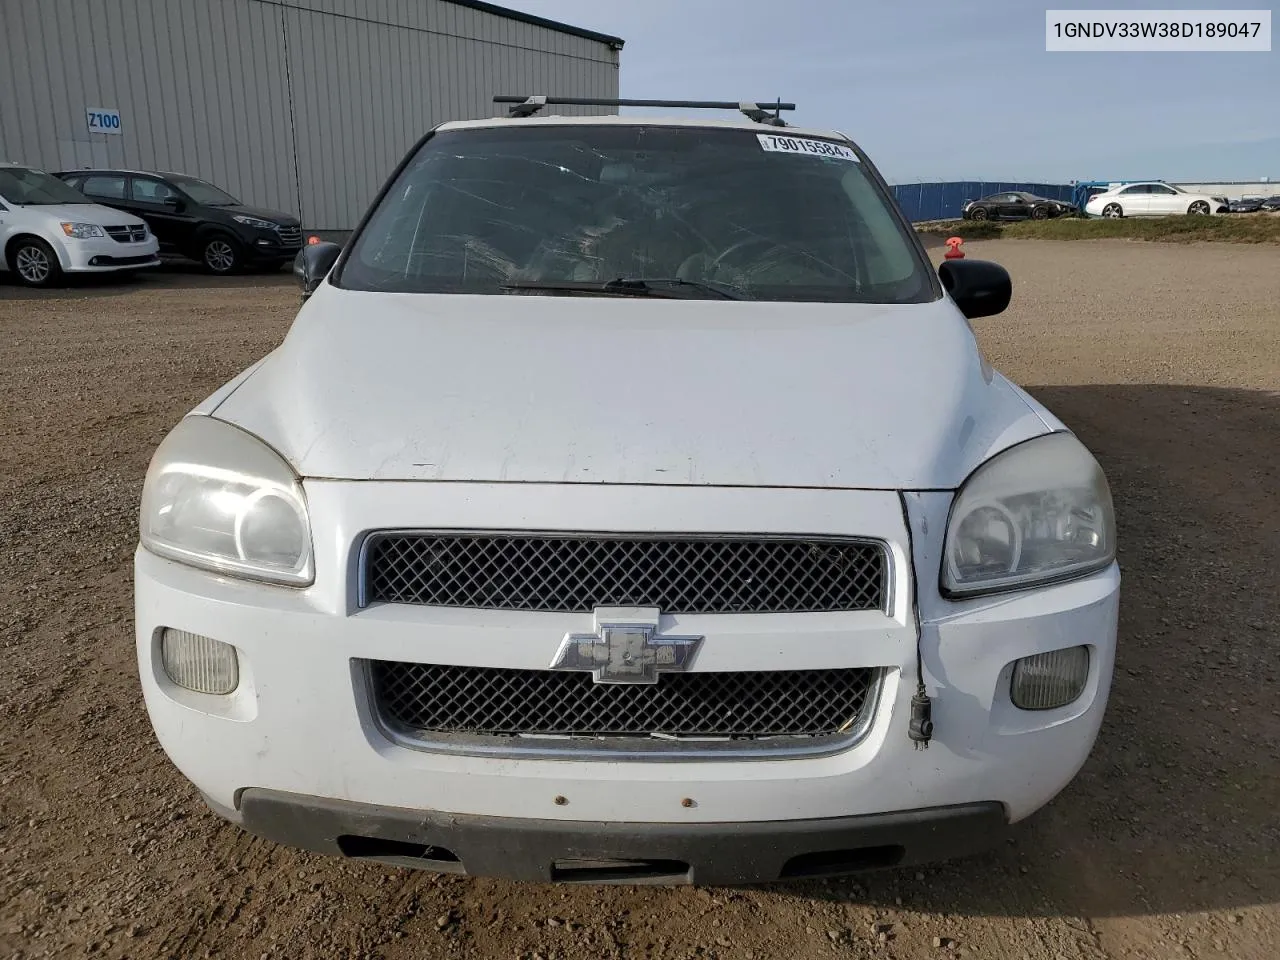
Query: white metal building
x,y
299,105
1234,189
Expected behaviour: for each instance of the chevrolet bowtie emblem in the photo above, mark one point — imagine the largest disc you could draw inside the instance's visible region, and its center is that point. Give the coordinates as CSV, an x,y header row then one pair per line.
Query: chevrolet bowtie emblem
x,y
625,652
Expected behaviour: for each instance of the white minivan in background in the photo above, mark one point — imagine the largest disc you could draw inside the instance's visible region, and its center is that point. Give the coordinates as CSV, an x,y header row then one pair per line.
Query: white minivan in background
x,y
48,228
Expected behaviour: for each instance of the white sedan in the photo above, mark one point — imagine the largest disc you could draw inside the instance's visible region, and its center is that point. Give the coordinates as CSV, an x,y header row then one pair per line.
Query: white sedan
x,y
1153,199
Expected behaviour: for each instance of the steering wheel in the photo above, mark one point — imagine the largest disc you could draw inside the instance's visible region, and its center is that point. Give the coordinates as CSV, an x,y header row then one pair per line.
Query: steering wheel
x,y
714,265
800,259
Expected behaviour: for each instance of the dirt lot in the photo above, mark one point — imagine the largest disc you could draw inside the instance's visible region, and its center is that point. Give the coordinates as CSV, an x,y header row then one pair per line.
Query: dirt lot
x,y
1165,359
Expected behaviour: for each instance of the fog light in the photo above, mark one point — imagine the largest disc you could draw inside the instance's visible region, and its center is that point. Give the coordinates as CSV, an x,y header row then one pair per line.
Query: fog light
x,y
1049,680
199,663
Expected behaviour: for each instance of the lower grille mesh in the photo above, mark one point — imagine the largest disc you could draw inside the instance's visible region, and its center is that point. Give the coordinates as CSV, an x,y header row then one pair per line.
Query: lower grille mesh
x,y
431,698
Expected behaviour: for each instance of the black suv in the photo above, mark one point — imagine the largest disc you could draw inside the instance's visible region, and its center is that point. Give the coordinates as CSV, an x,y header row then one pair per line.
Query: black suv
x,y
195,218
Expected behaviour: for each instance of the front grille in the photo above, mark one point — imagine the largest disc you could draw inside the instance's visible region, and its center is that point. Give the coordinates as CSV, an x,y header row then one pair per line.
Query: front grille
x,y
126,233
577,573
431,699
290,233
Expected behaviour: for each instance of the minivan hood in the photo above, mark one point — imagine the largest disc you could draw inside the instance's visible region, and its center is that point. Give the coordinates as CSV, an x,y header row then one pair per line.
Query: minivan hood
x,y
386,386
94,213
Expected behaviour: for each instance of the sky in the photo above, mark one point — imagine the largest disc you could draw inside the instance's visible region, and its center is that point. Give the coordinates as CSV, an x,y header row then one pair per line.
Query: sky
x,y
949,89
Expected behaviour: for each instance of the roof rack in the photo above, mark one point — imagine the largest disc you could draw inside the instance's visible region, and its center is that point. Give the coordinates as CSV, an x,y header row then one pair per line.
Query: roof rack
x,y
528,106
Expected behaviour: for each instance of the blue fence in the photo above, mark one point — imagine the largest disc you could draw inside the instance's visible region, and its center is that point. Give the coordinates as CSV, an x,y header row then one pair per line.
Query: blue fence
x,y
942,201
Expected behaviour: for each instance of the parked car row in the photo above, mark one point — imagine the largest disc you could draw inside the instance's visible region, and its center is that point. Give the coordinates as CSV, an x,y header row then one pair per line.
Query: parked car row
x,y
194,218
108,221
1154,198
1255,205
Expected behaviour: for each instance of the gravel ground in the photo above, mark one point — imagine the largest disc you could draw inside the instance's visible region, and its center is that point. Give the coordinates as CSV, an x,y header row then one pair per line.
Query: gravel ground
x,y
1164,359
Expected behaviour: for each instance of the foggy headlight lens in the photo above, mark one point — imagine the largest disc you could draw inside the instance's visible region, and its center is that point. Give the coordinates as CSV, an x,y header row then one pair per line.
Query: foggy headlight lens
x,y
1038,512
1049,680
199,663
218,498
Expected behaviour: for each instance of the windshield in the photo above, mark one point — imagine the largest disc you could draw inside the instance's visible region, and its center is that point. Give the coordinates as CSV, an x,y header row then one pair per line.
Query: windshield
x,y
203,193
23,186
765,216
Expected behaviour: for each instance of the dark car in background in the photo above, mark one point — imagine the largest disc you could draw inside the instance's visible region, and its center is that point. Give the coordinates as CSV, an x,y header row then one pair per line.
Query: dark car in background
x,y
1255,204
1015,205
194,218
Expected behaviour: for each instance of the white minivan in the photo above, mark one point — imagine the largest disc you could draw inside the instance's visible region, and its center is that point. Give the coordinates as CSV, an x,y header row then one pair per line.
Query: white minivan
x,y
630,501
48,228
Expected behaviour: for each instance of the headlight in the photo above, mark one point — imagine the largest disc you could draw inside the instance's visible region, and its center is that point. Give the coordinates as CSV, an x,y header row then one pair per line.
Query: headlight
x,y
1038,512
82,231
218,498
253,222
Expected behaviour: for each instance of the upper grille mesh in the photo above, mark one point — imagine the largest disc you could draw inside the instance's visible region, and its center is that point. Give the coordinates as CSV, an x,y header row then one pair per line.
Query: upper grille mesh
x,y
432,698
576,574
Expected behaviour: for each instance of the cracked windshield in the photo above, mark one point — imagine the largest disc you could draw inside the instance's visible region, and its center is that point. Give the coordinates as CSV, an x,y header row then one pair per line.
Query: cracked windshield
x,y
692,212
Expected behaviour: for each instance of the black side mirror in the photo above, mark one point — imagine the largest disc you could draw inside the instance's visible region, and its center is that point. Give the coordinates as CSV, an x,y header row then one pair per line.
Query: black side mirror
x,y
312,265
177,203
979,288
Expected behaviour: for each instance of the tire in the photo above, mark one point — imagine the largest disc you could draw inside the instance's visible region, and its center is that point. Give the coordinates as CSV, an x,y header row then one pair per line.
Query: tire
x,y
1112,211
34,263
1198,209
220,254
1039,213
978,213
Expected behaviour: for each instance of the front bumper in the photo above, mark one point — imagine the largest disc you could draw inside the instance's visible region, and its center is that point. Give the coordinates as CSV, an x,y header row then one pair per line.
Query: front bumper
x,y
261,245
601,852
105,255
301,722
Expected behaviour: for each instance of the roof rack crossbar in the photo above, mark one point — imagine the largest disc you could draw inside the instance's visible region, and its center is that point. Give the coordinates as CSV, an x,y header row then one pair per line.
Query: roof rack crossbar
x,y
770,113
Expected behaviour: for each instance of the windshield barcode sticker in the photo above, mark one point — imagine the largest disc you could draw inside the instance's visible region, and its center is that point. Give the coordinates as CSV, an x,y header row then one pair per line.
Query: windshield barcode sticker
x,y
814,148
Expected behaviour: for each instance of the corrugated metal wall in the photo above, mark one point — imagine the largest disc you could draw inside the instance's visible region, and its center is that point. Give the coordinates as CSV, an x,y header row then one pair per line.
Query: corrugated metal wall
x,y
300,105
365,88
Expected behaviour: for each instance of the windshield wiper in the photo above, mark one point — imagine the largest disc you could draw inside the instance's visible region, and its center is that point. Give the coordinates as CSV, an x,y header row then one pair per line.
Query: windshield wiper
x,y
724,291
629,287
603,289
